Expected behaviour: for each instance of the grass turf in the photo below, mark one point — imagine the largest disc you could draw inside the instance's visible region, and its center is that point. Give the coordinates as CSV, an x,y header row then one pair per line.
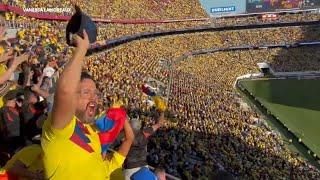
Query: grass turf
x,y
296,103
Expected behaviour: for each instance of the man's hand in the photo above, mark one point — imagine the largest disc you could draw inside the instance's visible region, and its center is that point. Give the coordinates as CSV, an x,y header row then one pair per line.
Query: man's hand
x,y
80,43
20,59
16,61
6,56
36,87
30,75
162,119
2,33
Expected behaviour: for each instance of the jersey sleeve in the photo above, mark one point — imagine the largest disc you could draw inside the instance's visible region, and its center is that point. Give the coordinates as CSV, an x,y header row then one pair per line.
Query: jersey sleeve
x,y
115,162
29,154
49,133
26,155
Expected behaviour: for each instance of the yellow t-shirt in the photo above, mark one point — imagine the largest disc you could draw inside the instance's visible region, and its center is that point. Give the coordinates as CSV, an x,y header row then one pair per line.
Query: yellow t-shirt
x,y
75,153
1,50
21,34
3,69
7,16
30,156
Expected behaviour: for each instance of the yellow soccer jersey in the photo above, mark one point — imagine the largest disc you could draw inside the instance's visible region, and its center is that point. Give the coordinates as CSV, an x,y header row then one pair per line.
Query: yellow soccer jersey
x,y
75,152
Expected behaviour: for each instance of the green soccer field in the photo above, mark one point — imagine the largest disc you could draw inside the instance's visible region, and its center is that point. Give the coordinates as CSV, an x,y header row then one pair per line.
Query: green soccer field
x,y
296,103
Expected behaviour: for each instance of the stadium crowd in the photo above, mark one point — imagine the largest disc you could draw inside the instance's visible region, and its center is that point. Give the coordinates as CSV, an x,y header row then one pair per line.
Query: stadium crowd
x,y
155,10
208,130
163,9
43,53
214,108
281,18
128,66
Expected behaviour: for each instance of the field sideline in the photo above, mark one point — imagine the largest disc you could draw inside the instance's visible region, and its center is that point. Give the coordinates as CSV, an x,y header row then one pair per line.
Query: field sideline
x,y
296,103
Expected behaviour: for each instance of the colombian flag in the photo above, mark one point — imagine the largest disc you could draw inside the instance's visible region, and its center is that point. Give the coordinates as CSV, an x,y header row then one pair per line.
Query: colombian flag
x,y
148,90
158,100
110,124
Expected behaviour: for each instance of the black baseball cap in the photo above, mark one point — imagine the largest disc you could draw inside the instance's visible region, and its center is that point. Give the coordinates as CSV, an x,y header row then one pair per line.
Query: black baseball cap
x,y
78,22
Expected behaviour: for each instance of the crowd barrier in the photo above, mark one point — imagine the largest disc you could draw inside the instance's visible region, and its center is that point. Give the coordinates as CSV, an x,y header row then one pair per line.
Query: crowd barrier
x,y
54,16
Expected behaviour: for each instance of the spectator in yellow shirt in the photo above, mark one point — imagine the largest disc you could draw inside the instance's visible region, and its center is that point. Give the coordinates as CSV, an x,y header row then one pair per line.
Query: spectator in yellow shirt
x,y
26,164
71,145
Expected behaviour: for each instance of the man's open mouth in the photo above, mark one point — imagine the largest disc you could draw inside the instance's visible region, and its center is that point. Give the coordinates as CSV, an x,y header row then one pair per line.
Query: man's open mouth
x,y
91,109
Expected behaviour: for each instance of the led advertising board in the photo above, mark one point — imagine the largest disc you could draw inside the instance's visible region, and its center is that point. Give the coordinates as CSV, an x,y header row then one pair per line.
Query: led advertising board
x,y
224,7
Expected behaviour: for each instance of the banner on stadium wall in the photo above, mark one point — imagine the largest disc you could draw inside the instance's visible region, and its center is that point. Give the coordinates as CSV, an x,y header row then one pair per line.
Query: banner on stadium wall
x,y
257,6
224,7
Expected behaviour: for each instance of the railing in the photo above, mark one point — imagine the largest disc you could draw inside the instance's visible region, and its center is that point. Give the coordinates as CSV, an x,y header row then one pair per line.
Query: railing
x,y
152,168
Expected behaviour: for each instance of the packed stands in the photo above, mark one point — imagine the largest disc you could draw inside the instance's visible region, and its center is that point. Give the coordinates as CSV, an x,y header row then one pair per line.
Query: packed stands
x,y
208,130
235,131
127,66
163,9
145,9
257,19
41,52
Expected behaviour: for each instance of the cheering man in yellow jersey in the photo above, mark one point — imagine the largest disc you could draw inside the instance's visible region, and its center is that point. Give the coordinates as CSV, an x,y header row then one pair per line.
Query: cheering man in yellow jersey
x,y
70,144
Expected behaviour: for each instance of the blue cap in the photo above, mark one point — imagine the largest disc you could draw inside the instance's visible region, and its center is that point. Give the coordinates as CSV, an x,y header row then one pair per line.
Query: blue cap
x,y
143,174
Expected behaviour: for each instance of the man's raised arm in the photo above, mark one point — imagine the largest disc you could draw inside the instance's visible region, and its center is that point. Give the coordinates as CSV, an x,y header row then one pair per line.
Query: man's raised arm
x,y
155,127
16,62
126,144
67,85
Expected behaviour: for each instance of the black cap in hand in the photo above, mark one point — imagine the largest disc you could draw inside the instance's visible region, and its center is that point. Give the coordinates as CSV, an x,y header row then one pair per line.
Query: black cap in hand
x,y
77,23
